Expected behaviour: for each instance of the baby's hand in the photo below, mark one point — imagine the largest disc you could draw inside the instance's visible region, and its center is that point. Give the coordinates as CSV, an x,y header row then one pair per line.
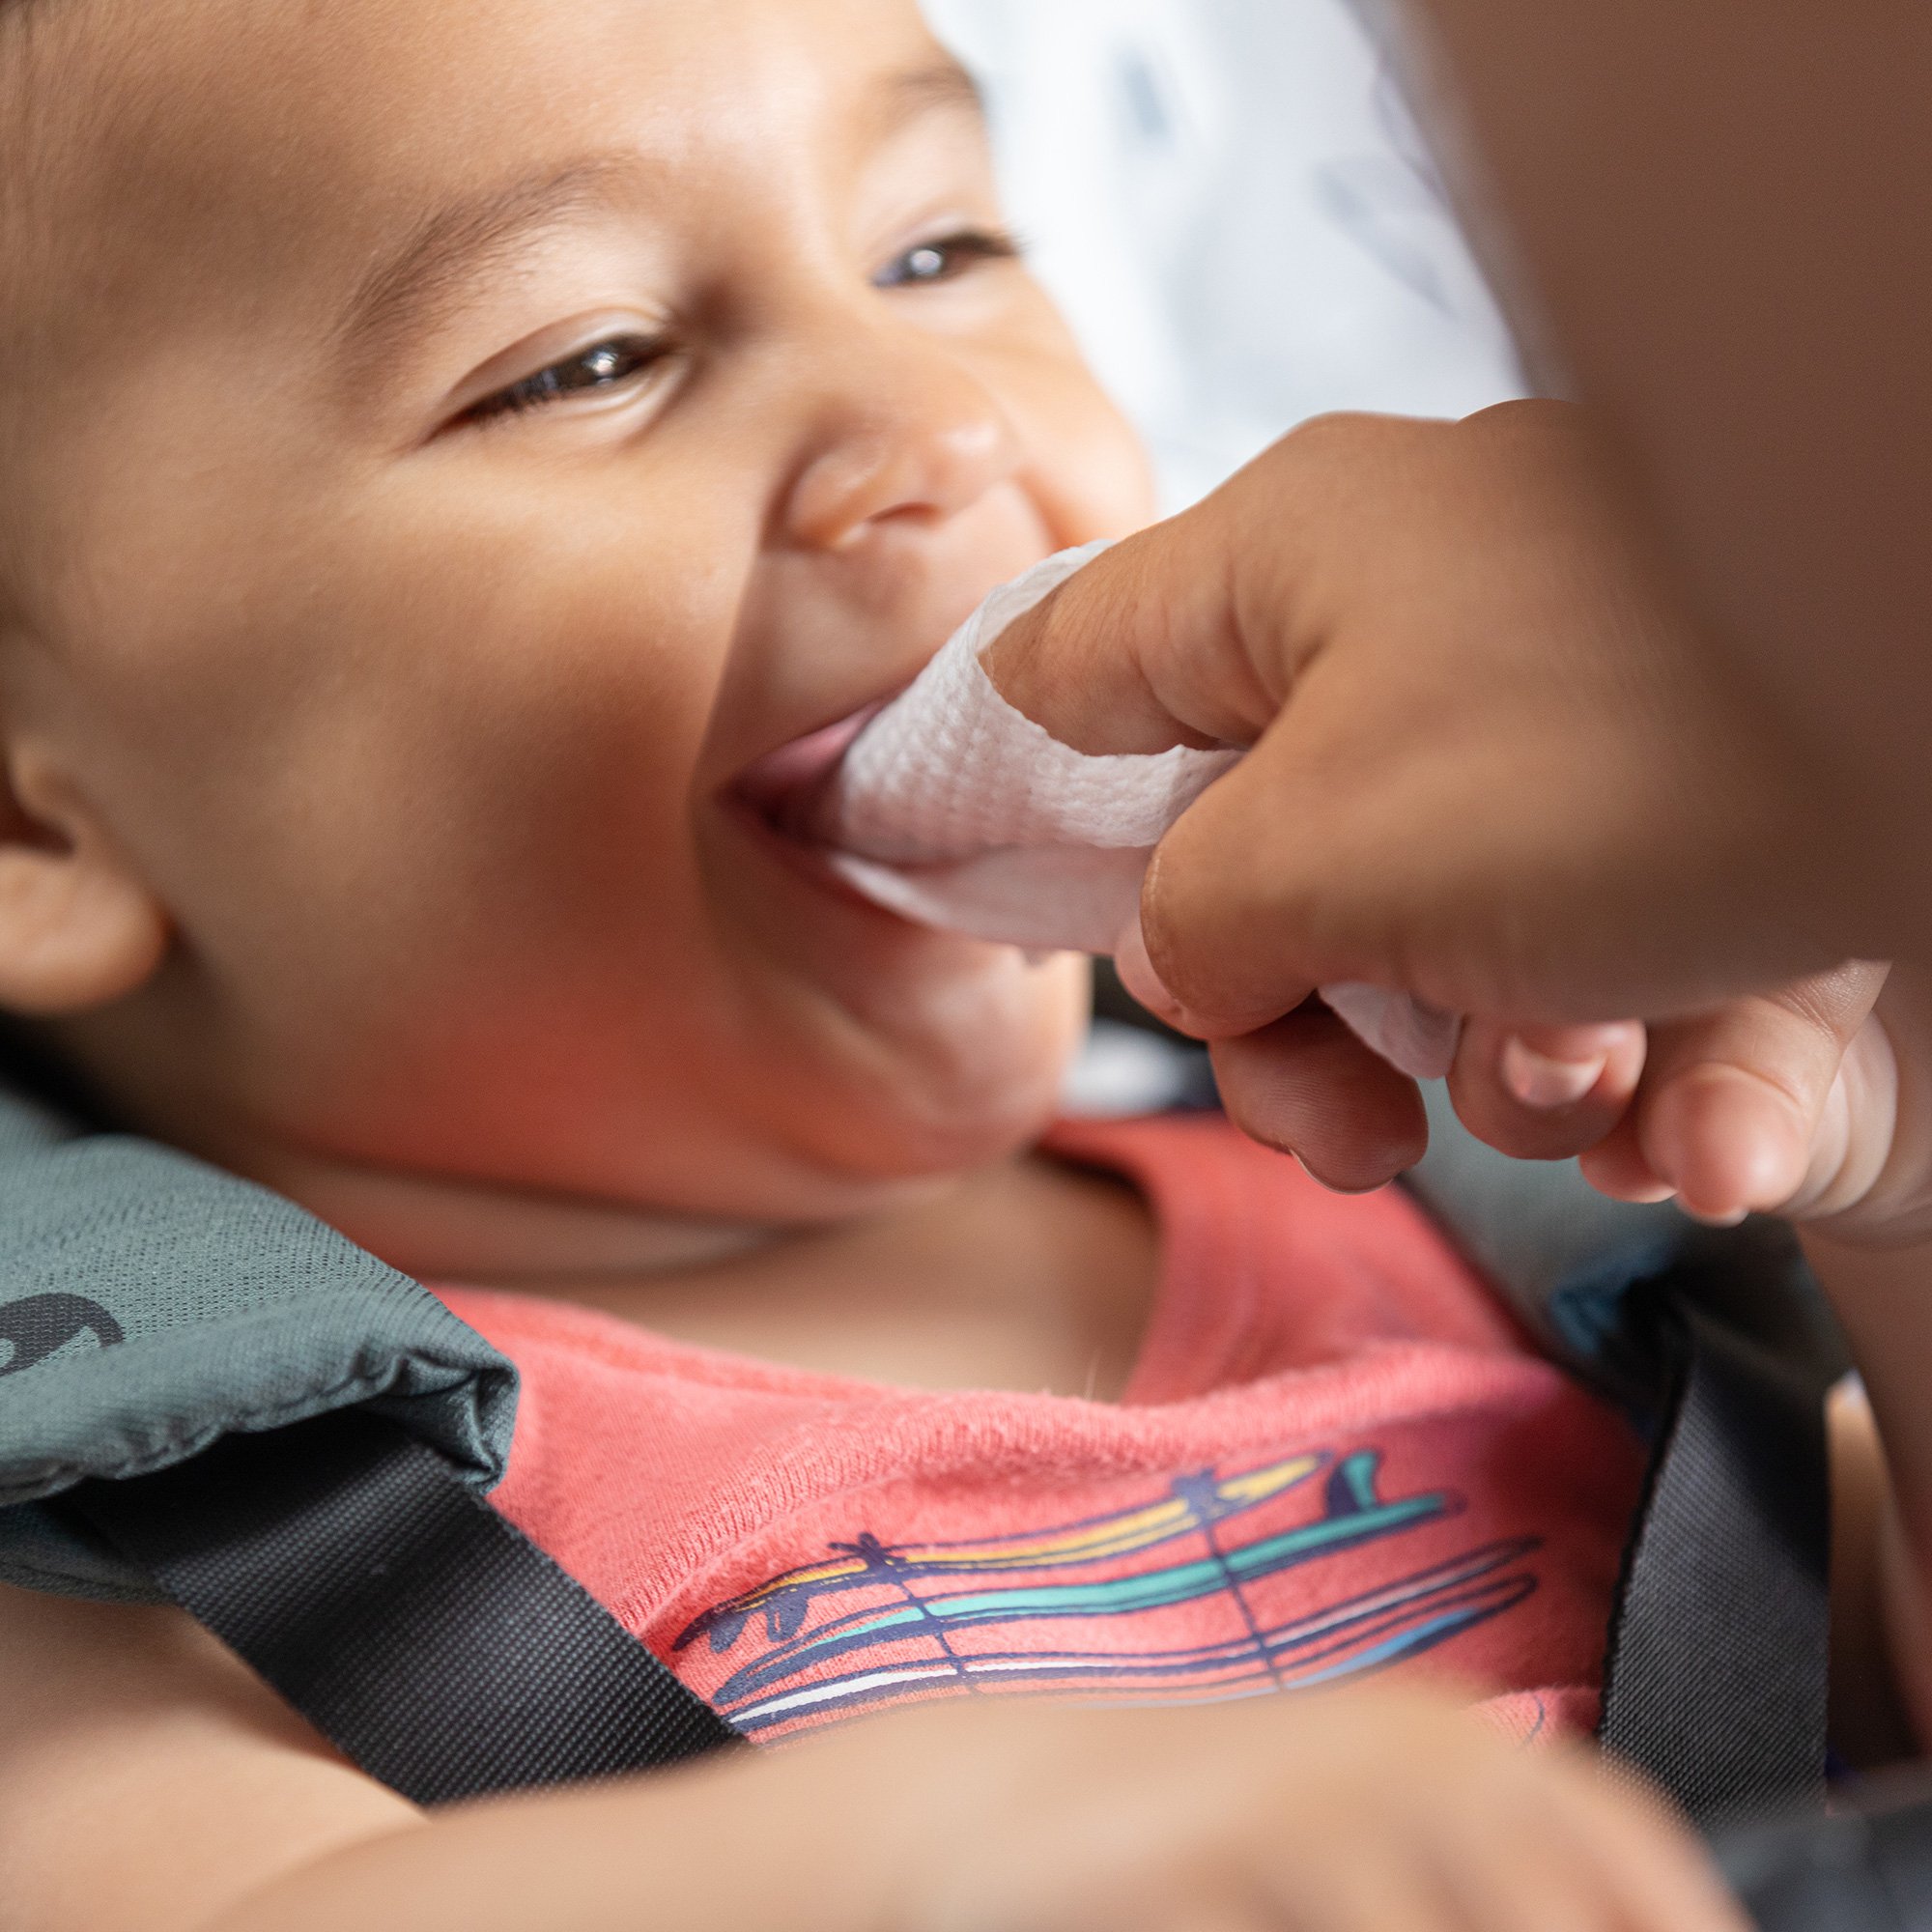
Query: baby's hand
x,y
1358,1811
1811,1102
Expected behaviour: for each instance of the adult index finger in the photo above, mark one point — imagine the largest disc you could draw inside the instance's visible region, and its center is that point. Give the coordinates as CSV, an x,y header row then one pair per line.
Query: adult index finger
x,y
1188,633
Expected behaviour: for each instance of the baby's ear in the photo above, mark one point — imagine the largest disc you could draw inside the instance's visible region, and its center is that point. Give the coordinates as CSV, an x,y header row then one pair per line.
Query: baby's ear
x,y
78,926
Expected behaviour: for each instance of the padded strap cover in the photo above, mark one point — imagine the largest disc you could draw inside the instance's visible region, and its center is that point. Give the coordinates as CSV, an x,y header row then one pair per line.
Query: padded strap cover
x,y
150,1304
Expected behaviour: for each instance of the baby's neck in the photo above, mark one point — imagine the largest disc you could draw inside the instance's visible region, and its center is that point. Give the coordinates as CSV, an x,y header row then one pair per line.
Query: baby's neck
x,y
445,1230
1031,1276
1026,1275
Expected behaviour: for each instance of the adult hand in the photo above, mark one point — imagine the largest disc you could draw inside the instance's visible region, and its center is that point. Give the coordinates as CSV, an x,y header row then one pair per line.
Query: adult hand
x,y
1494,765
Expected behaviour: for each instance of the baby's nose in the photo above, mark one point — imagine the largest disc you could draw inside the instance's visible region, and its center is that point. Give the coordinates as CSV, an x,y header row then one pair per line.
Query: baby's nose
x,y
921,445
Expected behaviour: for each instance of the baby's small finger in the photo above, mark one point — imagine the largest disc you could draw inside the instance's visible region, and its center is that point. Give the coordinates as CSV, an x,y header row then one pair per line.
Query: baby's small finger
x,y
1729,1141
1733,1100
1616,1166
1545,1093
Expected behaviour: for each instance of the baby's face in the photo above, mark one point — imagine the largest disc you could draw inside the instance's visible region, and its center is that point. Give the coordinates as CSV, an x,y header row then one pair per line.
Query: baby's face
x,y
462,437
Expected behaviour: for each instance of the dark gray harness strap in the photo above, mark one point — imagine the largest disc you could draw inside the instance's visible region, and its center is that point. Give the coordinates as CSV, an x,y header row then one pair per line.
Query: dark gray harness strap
x,y
419,1632
1716,1681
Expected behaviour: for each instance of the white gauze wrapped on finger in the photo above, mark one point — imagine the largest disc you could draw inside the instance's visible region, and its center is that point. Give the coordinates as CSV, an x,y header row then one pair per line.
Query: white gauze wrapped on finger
x,y
954,810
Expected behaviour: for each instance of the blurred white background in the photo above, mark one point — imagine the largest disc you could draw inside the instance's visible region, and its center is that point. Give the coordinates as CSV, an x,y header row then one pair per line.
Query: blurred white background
x,y
1231,204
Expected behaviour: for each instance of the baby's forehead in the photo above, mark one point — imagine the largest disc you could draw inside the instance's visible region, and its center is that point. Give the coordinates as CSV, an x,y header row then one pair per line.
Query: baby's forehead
x,y
225,142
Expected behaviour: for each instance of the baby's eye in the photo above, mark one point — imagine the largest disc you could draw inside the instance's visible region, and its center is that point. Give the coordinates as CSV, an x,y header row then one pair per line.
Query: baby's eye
x,y
946,257
604,366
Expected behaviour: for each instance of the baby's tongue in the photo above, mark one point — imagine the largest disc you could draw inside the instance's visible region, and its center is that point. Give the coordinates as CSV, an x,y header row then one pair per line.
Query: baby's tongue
x,y
789,786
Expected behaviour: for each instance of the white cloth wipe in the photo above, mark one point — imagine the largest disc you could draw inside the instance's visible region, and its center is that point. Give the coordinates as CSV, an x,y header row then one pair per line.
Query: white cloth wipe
x,y
955,810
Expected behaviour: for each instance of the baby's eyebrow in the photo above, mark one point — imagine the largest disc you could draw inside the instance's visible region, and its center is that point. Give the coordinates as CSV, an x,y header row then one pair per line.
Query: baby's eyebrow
x,y
942,84
427,275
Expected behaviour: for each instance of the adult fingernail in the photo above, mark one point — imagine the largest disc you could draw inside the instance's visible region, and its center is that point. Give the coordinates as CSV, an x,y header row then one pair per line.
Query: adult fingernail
x,y
1546,1084
1131,961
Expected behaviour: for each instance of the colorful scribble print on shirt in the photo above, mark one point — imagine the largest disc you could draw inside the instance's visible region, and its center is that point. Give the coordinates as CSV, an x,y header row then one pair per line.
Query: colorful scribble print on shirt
x,y
1211,1590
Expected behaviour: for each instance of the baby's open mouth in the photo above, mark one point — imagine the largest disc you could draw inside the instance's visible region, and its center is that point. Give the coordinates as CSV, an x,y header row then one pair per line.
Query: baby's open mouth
x,y
787,787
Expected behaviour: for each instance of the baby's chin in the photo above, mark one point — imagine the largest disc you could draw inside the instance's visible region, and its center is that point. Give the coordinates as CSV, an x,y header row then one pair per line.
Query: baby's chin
x,y
953,1069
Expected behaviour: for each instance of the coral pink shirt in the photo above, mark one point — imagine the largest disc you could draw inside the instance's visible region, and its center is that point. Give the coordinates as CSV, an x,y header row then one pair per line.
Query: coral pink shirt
x,y
1337,1456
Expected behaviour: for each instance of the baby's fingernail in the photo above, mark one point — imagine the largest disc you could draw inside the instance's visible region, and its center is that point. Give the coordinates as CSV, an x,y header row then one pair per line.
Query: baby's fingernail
x,y
1135,967
1546,1084
1734,1217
